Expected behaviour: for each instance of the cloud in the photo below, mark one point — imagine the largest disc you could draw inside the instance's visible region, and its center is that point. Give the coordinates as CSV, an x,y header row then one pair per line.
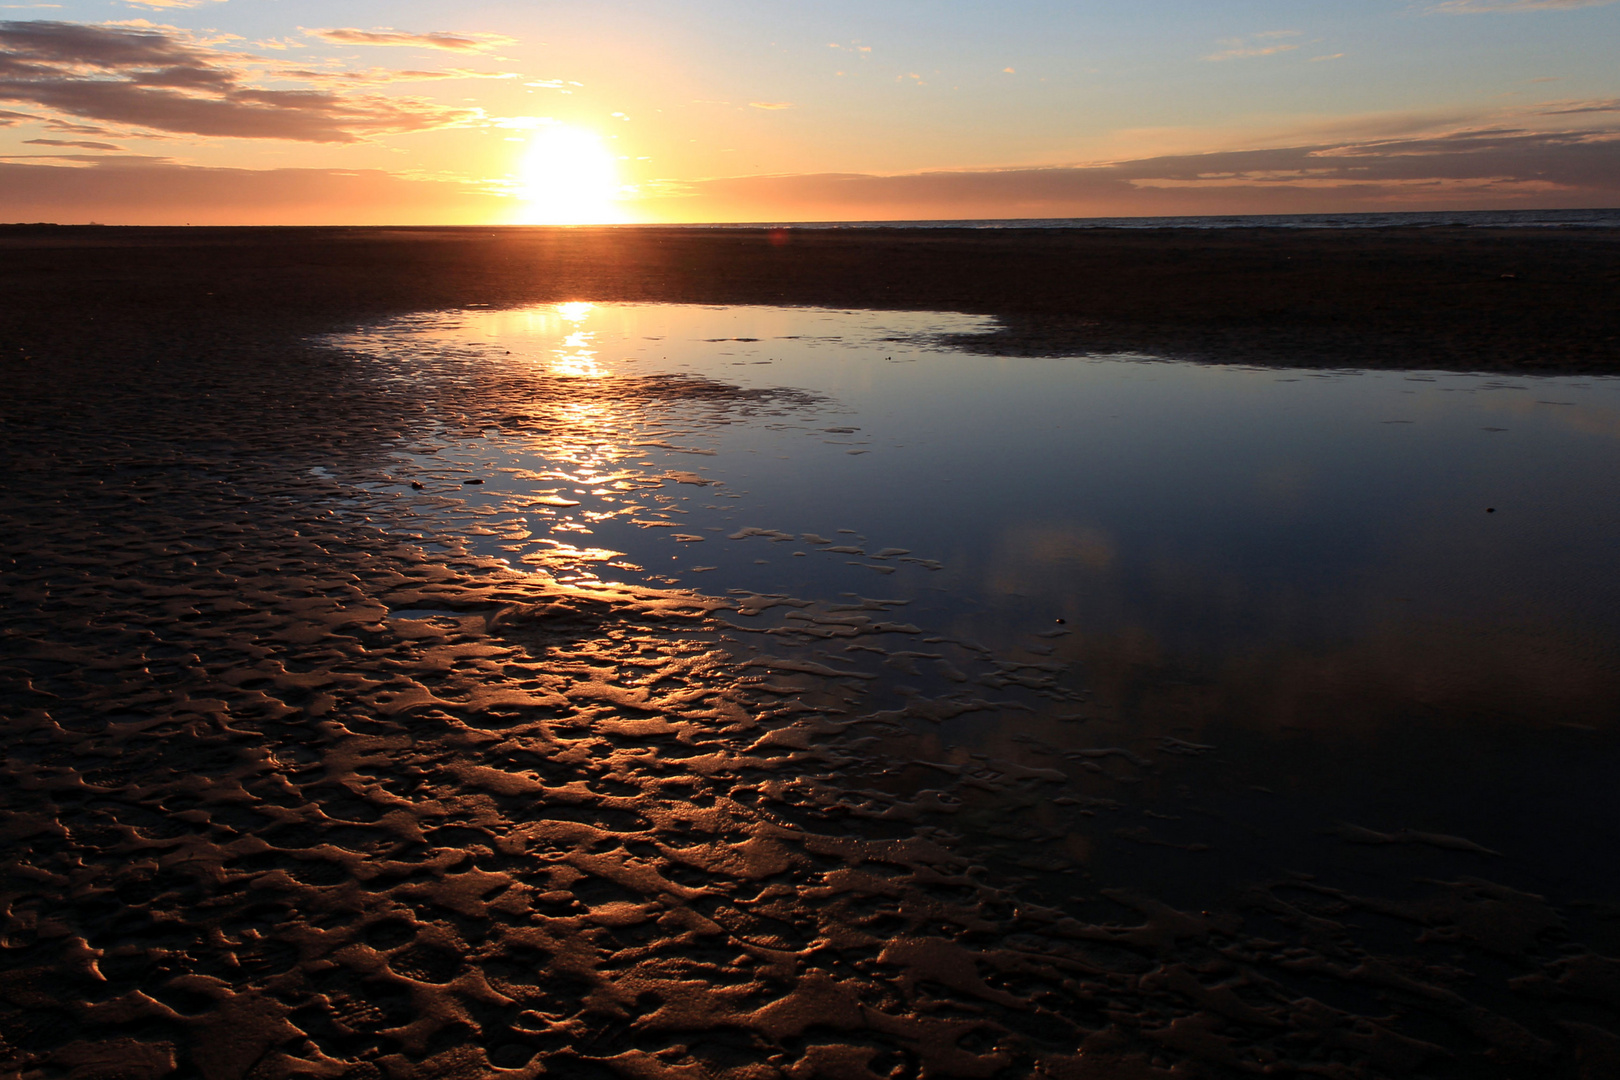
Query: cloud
x,y
131,190
386,36
1485,7
379,76
164,4
771,104
76,143
1481,168
1572,108
1245,52
102,47
1267,44
69,128
163,79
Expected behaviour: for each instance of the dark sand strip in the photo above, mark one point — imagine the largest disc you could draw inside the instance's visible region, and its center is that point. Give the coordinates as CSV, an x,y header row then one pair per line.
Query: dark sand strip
x,y
1524,300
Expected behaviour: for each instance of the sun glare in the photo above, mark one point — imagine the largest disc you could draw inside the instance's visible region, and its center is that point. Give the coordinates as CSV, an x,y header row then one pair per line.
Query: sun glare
x,y
569,178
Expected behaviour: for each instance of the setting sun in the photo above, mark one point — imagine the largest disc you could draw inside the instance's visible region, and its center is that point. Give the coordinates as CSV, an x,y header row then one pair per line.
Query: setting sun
x,y
569,178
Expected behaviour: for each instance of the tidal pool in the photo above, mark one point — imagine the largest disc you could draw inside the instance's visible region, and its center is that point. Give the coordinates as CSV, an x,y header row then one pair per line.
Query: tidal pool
x,y
1386,600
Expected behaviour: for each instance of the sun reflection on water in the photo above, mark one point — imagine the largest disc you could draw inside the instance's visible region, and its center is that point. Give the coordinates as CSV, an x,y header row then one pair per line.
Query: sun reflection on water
x,y
587,445
575,357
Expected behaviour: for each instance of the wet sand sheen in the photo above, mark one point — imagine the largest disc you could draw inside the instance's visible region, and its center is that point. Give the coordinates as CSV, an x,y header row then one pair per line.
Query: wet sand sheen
x,y
293,794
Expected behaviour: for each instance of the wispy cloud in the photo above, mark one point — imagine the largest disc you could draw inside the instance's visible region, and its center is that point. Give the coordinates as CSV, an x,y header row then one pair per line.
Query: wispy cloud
x,y
770,104
379,76
168,80
80,144
437,39
1266,44
160,5
1486,7
1572,108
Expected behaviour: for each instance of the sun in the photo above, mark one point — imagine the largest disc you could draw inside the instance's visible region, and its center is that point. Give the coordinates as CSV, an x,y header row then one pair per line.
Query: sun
x,y
569,178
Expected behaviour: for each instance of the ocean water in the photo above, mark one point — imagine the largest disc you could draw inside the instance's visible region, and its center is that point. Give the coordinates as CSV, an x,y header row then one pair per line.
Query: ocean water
x,y
1494,219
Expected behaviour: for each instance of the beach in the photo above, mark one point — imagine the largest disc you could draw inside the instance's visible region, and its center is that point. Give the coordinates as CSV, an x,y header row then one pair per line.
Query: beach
x,y
1460,299
302,781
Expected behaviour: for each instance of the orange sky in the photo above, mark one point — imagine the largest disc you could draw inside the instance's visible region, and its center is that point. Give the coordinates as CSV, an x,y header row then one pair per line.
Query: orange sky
x,y
177,111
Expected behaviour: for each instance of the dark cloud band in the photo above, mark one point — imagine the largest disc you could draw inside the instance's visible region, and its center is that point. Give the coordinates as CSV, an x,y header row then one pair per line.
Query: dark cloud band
x,y
161,80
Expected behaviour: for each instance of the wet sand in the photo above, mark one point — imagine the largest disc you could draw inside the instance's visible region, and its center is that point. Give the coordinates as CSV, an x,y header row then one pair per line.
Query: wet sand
x,y
1445,298
290,792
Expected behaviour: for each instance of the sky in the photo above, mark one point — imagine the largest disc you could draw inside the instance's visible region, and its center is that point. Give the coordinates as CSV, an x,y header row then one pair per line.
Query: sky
x,y
565,111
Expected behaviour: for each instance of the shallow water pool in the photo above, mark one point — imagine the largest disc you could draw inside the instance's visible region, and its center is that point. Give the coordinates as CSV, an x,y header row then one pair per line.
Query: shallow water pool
x,y
1207,515
1392,598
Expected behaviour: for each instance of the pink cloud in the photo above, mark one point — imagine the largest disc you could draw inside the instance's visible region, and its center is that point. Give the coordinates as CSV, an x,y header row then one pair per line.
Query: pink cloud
x,y
385,36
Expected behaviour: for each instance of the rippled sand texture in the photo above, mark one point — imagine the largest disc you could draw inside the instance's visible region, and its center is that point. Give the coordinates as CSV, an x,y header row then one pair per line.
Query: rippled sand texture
x,y
256,826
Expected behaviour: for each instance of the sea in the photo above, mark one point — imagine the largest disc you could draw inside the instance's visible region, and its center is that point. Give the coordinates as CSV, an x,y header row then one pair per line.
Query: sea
x,y
1417,219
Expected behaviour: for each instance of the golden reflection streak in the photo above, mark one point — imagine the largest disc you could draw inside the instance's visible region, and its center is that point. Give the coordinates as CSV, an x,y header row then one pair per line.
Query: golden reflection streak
x,y
576,357
585,446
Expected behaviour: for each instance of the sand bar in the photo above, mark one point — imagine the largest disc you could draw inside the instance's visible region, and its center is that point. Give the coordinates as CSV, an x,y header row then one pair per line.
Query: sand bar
x,y
1508,299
